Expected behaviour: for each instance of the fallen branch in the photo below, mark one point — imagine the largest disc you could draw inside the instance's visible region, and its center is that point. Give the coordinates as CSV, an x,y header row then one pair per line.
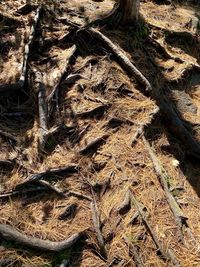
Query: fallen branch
x,y
97,227
11,234
165,253
180,218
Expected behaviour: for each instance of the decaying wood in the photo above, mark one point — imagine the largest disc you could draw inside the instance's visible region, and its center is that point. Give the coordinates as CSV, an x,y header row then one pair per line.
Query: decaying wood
x,y
172,119
180,218
93,144
126,204
58,172
97,227
11,234
134,252
165,253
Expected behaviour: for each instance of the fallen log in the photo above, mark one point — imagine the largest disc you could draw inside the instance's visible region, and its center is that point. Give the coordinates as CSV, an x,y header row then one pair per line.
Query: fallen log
x,y
11,234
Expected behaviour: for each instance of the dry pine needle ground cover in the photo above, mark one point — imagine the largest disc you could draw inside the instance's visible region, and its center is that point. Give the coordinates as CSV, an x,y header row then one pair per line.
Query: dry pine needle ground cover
x,y
85,149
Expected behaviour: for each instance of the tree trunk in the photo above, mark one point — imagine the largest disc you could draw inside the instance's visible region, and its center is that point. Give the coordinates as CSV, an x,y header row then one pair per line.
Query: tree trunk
x,y
129,10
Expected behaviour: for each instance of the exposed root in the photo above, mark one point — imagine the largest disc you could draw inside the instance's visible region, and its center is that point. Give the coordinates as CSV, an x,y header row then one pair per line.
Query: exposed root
x,y
54,172
126,204
69,212
172,119
97,111
45,132
20,84
123,59
19,192
141,128
53,97
134,252
93,144
11,234
97,228
165,253
180,218
26,9
8,136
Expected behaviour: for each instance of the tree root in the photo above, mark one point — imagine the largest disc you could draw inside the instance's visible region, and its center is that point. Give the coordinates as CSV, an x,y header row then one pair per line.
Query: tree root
x,y
61,171
125,205
142,127
180,218
9,136
97,111
93,145
52,99
17,192
134,252
11,234
45,132
169,114
165,253
97,227
123,59
20,84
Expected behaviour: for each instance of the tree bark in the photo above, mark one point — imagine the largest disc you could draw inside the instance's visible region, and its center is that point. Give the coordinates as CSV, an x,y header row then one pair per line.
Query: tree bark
x,y
125,11
129,10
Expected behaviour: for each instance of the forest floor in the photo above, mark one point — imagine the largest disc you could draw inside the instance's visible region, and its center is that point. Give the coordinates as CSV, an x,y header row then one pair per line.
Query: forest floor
x,y
85,149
